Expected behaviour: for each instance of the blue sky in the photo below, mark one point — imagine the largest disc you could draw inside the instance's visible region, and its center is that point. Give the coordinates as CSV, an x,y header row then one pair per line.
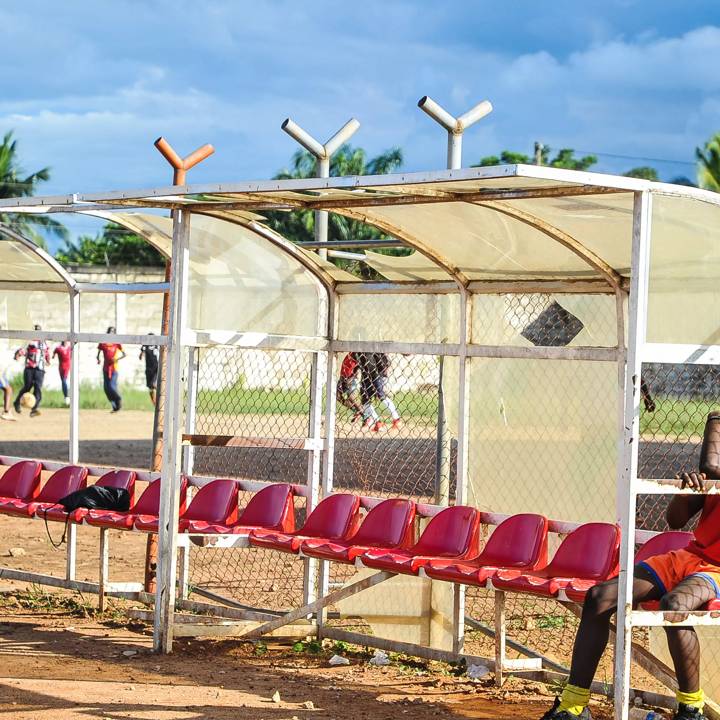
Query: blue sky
x,y
87,86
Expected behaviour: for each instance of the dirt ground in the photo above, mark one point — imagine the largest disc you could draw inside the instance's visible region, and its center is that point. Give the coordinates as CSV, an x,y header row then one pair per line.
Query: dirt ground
x,y
62,667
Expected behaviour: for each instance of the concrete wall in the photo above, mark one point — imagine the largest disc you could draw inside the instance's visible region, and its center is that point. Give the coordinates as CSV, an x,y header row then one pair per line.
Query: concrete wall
x,y
134,314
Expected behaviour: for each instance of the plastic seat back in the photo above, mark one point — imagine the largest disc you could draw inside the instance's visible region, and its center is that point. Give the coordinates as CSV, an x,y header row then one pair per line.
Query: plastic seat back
x,y
589,552
215,502
21,480
518,541
450,533
62,483
663,543
333,517
122,479
149,502
389,524
269,508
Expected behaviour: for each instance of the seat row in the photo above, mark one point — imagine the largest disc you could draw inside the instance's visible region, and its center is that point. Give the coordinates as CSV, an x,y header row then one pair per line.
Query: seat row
x,y
514,557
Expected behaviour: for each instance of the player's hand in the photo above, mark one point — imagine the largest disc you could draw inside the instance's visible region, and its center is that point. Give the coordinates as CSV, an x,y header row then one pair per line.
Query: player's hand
x,y
98,362
692,481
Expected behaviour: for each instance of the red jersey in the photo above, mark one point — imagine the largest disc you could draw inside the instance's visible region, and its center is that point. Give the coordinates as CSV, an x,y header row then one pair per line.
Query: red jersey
x,y
349,366
64,356
36,354
110,352
707,533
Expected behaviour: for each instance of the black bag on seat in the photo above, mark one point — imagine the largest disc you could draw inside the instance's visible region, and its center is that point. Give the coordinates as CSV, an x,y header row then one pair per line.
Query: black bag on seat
x,y
97,497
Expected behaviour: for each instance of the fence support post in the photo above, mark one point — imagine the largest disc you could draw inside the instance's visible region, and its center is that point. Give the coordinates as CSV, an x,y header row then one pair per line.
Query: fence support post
x,y
629,438
74,435
171,475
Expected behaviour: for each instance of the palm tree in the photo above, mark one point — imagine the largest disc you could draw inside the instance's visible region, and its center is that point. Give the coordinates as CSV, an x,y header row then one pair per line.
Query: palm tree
x,y
299,226
13,184
709,164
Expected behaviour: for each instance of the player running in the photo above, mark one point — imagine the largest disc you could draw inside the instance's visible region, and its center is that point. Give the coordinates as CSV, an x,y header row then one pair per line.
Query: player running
x,y
348,386
374,371
112,353
682,580
63,351
150,353
37,356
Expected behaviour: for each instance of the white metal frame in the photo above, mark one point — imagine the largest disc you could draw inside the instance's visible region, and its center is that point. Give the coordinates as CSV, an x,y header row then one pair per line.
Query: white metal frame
x,y
402,189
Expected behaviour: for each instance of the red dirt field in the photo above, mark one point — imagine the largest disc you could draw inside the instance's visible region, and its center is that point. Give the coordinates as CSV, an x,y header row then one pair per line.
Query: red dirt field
x,y
60,667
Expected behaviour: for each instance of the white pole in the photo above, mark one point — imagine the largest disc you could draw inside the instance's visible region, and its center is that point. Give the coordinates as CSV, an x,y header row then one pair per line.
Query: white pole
x,y
323,153
628,459
74,434
170,479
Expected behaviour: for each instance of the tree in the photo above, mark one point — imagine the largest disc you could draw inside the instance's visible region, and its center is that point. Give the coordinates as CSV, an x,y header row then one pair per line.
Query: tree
x,y
13,184
299,226
709,164
114,245
644,172
565,158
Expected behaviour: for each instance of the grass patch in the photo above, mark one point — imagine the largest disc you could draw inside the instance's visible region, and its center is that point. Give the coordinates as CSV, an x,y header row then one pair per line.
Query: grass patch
x,y
92,397
676,417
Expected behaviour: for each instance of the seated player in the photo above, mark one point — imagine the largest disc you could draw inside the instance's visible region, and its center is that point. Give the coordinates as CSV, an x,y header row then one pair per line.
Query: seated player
x,y
682,580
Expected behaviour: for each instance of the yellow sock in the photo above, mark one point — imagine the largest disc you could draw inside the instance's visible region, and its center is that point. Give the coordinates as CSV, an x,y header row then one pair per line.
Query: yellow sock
x,y
693,699
574,699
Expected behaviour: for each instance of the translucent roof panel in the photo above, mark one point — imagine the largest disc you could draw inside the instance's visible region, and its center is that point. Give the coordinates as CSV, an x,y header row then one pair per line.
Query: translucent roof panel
x,y
684,287
21,309
241,282
18,262
480,242
416,267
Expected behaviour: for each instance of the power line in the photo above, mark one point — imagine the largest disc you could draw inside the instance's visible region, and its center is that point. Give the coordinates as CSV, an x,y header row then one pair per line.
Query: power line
x,y
635,157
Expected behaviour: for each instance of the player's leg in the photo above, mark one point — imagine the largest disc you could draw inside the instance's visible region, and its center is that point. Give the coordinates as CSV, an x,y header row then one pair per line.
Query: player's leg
x,y
27,387
592,639
341,393
108,389
691,594
370,416
38,379
117,398
386,400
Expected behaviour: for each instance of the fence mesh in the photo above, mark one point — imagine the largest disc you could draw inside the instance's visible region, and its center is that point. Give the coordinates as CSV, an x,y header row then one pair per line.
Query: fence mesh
x,y
395,435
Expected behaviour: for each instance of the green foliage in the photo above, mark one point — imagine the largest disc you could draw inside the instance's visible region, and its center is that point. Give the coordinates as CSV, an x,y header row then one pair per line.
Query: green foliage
x,y
644,172
299,226
565,158
114,245
709,164
14,183
313,647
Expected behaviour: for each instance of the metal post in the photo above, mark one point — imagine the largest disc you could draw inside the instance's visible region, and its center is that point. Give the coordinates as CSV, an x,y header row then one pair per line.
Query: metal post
x,y
74,436
191,408
170,488
628,459
104,567
323,153
455,128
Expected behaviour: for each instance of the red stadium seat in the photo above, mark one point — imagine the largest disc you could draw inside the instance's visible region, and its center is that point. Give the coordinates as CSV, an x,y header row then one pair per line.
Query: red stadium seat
x,y
334,518
519,542
216,502
148,504
388,525
21,480
61,483
452,533
586,557
115,478
270,508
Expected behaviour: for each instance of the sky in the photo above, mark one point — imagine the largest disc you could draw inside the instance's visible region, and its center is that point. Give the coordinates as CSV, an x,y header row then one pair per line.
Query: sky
x,y
88,86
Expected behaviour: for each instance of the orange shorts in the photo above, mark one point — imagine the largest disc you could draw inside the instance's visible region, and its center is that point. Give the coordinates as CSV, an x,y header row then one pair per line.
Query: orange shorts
x,y
670,569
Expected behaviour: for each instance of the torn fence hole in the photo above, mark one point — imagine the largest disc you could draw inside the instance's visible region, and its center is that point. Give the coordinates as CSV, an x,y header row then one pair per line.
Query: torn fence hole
x,y
553,327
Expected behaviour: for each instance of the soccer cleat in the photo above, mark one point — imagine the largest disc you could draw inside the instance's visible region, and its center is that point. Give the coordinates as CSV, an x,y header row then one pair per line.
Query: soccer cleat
x,y
379,426
7,416
554,714
356,416
35,413
17,408
67,402
688,712
396,424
